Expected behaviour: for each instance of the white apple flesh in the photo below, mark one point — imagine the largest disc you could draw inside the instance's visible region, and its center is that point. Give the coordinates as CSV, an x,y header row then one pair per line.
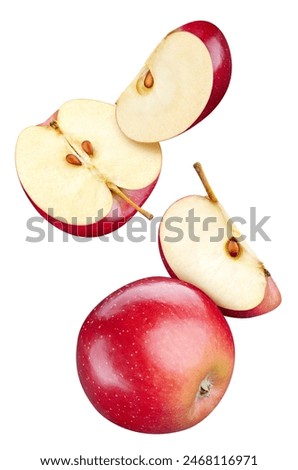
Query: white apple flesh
x,y
79,170
182,81
209,255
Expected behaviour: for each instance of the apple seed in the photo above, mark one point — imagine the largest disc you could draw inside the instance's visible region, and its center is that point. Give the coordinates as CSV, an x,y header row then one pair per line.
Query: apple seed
x,y
233,247
73,159
87,147
149,80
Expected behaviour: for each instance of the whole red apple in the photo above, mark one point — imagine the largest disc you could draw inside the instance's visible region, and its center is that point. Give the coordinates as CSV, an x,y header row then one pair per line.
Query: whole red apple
x,y
156,356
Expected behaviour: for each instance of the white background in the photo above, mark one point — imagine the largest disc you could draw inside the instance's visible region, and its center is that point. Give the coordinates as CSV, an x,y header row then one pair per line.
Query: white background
x,y
58,50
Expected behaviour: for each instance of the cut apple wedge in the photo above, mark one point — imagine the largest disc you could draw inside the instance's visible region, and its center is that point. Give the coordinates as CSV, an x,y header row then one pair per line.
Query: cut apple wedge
x,y
182,81
81,173
201,245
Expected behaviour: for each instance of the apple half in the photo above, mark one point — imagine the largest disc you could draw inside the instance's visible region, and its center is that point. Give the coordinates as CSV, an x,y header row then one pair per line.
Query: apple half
x,y
182,81
81,173
199,244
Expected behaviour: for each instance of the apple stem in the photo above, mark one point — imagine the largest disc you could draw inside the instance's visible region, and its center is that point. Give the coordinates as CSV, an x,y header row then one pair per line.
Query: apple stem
x,y
123,196
198,167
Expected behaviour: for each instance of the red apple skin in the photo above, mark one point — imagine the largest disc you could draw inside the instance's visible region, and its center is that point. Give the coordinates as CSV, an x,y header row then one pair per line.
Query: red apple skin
x,y
220,54
143,352
272,297
164,260
119,215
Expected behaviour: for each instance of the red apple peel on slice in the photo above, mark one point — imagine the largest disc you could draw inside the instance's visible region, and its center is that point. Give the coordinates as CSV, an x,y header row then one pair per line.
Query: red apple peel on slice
x,y
224,266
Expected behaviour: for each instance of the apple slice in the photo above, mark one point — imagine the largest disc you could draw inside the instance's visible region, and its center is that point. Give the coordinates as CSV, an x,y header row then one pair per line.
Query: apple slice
x,y
81,173
182,81
199,244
